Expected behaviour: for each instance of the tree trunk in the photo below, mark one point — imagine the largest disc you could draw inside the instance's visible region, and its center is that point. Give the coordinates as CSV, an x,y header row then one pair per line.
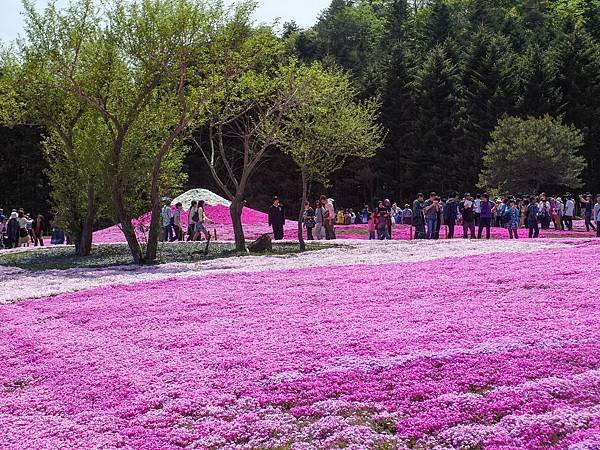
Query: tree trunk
x,y
153,232
84,245
126,226
301,215
235,210
116,194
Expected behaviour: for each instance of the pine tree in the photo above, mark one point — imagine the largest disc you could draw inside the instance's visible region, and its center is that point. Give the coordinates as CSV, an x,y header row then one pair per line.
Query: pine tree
x,y
398,17
485,15
539,93
398,116
398,102
433,163
591,15
438,25
490,90
577,62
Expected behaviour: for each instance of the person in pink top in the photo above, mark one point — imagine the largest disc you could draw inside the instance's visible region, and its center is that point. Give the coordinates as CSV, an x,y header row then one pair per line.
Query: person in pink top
x,y
372,226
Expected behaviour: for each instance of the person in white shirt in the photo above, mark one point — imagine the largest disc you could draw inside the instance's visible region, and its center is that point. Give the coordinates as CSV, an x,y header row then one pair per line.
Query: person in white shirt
x,y
477,209
166,216
569,212
328,217
200,227
544,206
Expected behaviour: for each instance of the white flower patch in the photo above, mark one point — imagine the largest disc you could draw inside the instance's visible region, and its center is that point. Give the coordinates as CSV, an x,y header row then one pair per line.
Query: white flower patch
x,y
21,284
200,194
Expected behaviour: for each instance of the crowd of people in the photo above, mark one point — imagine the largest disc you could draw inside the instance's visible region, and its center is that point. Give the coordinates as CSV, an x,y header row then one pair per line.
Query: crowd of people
x,y
19,229
476,214
173,226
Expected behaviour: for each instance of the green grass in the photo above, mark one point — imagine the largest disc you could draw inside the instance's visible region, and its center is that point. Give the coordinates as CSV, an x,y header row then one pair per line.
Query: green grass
x,y
118,254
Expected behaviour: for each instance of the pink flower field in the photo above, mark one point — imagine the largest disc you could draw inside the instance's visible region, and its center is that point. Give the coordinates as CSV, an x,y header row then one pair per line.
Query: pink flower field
x,y
482,351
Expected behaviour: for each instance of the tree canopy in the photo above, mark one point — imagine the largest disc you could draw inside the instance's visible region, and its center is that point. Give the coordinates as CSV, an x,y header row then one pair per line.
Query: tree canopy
x,y
525,154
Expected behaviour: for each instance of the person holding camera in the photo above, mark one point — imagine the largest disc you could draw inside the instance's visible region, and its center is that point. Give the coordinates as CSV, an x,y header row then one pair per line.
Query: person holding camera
x,y
587,207
432,210
467,211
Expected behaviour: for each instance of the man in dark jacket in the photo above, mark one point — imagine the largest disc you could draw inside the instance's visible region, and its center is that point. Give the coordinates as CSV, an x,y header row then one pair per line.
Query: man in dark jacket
x,y
451,213
418,219
277,218
12,231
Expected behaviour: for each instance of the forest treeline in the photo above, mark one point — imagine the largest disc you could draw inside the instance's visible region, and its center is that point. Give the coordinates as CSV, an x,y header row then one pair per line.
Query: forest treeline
x,y
448,70
445,71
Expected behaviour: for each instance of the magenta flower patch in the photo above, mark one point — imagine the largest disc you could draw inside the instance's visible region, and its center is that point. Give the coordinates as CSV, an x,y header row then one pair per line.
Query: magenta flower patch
x,y
498,351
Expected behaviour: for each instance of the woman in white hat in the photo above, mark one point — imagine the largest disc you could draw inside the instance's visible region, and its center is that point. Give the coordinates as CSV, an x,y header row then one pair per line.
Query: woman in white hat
x,y
12,230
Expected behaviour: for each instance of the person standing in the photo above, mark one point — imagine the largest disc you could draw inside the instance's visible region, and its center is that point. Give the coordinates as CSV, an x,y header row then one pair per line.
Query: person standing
x,y
451,213
418,219
339,218
277,218
487,209
477,209
432,210
371,226
569,212
407,215
390,218
597,215
382,217
319,224
166,216
2,232
544,207
177,228
328,217
38,231
202,220
533,212
559,211
512,220
192,219
24,237
466,208
365,213
308,220
586,205
12,230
